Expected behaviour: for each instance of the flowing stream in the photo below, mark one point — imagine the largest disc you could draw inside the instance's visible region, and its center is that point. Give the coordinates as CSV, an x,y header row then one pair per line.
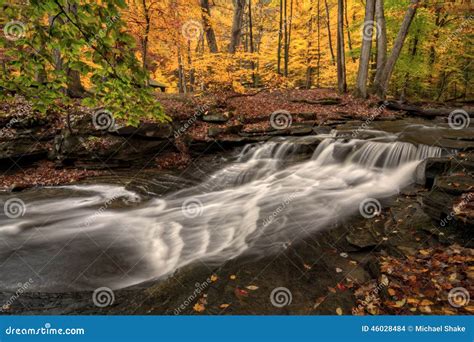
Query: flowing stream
x,y
81,237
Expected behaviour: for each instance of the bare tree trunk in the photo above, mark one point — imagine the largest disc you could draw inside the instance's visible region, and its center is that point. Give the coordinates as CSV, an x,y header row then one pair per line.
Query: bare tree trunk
x,y
146,15
341,60
237,25
288,36
381,88
309,58
74,85
254,80
318,79
362,74
280,37
381,40
349,40
328,24
210,35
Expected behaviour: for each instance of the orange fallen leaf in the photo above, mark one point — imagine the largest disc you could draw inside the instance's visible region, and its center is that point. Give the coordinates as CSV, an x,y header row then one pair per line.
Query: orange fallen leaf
x,y
199,307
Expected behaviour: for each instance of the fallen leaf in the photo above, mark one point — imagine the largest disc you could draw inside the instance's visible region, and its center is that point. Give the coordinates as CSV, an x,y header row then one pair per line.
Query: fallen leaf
x,y
339,311
224,306
198,307
338,270
214,278
391,292
233,277
252,287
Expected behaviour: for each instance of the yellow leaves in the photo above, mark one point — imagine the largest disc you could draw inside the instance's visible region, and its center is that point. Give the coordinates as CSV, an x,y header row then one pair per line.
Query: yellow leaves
x,y
224,306
339,311
214,278
233,277
391,292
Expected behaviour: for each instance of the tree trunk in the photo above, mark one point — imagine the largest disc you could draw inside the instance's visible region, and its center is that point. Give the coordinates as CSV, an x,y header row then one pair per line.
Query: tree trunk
x,y
349,40
288,36
146,15
341,59
328,24
318,79
210,35
381,40
362,74
309,59
381,88
280,37
237,25
254,80
74,85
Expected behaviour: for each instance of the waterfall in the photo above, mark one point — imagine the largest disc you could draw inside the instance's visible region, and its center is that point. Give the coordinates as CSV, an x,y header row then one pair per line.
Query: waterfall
x,y
257,204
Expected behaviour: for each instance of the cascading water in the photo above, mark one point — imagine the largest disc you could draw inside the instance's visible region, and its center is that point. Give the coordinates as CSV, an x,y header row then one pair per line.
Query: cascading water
x,y
81,239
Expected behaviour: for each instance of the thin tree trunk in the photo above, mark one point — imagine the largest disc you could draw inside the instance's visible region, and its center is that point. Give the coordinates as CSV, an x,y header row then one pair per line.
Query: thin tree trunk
x,y
237,25
280,37
288,40
210,35
381,40
341,60
285,36
363,72
328,24
309,59
318,79
349,40
254,80
146,14
381,88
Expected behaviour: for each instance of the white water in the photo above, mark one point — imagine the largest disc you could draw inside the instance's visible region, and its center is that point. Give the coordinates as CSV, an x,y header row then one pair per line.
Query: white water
x,y
257,205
